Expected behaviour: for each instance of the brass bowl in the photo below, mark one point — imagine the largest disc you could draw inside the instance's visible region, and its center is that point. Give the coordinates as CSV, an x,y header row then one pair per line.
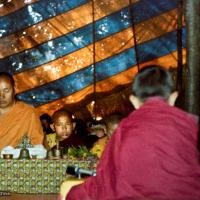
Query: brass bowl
x,y
33,156
8,156
57,153
50,154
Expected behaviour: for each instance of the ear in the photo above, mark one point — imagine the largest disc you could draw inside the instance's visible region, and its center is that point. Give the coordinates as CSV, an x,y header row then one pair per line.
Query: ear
x,y
135,101
15,89
52,127
74,125
172,98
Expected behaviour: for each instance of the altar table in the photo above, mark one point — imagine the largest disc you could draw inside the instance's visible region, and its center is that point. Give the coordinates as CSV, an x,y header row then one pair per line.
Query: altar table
x,y
36,176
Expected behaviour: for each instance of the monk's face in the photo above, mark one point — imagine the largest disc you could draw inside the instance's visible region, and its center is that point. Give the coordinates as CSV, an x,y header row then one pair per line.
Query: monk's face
x,y
6,93
63,127
111,127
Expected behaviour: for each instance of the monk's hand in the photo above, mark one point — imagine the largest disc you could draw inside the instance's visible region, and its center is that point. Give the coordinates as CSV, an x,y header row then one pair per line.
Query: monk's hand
x,y
66,187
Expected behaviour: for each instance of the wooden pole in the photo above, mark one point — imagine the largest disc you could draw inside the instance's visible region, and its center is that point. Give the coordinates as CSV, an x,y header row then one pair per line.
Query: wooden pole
x,y
192,94
179,84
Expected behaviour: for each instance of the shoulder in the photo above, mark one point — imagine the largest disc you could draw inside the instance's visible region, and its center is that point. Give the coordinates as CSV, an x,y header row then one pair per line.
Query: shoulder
x,y
25,107
23,104
102,141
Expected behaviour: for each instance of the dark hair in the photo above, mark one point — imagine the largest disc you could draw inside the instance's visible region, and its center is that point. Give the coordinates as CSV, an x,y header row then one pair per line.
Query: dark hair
x,y
113,118
153,80
9,76
46,117
60,112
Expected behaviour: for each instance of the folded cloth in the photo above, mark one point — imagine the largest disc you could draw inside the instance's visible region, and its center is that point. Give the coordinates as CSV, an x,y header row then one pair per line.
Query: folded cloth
x,y
37,150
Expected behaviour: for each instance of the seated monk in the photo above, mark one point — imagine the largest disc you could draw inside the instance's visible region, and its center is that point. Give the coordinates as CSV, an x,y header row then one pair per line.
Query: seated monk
x,y
111,124
100,131
152,154
64,129
17,118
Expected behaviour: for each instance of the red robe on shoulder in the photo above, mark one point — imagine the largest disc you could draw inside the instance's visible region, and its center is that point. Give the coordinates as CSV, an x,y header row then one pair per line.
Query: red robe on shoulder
x,y
153,154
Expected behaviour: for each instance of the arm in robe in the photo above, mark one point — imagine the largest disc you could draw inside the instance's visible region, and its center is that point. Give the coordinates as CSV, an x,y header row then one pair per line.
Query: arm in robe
x,y
21,120
34,128
102,186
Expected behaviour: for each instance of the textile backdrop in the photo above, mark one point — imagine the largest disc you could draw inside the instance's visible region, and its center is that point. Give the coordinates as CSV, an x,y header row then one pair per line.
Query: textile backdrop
x,y
74,52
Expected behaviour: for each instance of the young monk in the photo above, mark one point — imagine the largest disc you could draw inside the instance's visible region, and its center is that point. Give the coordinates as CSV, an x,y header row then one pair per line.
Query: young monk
x,y
153,153
111,123
17,118
64,129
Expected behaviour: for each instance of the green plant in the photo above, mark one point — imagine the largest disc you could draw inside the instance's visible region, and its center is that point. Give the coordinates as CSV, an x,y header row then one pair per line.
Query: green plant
x,y
79,152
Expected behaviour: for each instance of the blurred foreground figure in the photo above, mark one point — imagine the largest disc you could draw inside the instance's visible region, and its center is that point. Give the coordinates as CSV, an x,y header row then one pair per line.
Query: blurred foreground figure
x,y
152,154
17,118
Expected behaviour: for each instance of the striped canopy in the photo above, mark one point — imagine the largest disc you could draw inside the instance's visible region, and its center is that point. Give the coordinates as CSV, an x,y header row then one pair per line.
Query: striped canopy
x,y
83,54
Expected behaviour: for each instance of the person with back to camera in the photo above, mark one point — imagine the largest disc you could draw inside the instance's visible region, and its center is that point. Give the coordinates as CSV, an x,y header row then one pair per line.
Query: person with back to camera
x,y
17,119
153,153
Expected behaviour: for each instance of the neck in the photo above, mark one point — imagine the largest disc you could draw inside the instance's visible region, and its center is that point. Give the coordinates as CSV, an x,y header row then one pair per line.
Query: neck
x,y
6,109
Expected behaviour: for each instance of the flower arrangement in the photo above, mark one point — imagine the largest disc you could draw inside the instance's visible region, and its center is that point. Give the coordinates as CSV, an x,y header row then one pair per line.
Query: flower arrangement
x,y
81,152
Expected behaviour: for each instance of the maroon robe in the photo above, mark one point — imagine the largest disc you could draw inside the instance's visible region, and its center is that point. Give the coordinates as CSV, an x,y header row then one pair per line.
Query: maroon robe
x,y
151,155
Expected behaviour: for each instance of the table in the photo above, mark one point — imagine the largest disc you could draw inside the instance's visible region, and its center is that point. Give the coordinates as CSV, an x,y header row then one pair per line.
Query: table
x,y
15,196
36,176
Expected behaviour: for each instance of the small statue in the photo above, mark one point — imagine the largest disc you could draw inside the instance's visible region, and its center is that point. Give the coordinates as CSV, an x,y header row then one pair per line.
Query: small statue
x,y
23,145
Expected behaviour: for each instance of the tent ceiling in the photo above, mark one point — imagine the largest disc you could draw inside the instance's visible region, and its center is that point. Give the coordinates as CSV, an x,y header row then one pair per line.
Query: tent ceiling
x,y
70,53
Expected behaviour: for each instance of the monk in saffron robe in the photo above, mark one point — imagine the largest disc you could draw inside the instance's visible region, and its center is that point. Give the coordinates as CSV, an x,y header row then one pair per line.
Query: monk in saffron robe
x,y
17,118
153,153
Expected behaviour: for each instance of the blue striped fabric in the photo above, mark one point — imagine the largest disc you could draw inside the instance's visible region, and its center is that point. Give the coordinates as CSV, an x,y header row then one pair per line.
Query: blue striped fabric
x,y
35,13
104,69
66,44
115,63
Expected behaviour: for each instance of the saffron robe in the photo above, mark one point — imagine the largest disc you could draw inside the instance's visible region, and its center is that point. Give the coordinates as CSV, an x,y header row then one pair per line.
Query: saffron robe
x,y
21,120
99,146
152,155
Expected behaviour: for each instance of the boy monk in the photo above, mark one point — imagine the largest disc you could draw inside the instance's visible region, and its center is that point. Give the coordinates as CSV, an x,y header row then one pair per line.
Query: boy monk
x,y
64,129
